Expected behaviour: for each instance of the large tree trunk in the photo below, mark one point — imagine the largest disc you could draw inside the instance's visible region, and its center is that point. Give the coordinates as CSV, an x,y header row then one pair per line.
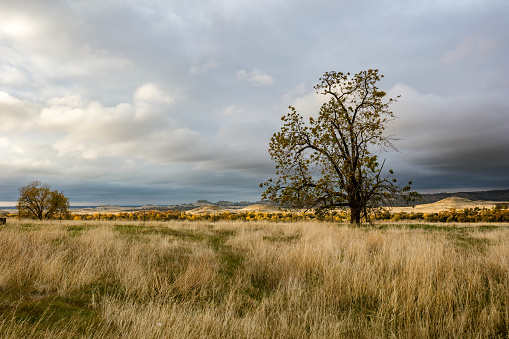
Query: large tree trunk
x,y
355,214
355,204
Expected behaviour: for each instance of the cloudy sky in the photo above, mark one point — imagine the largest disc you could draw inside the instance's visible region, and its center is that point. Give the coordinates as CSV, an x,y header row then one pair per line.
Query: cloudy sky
x,y
170,101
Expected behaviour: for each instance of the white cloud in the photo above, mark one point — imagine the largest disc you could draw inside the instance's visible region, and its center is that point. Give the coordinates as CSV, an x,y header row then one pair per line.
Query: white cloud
x,y
15,113
71,127
94,130
150,93
70,101
28,166
307,103
45,56
10,75
18,26
72,131
255,77
4,142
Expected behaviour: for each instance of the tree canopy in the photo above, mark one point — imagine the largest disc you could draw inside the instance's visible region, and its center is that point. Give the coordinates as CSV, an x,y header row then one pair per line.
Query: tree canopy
x,y
332,161
38,201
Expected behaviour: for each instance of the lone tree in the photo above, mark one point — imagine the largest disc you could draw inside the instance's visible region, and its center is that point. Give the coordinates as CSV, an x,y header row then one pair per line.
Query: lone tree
x,y
332,162
38,201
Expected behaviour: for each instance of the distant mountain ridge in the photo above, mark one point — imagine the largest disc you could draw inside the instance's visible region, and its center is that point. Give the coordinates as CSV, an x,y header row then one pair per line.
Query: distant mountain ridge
x,y
205,203
501,195
427,198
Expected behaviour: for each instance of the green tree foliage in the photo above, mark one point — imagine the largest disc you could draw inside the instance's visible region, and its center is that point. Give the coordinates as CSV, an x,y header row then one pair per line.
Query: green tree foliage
x,y
332,161
38,201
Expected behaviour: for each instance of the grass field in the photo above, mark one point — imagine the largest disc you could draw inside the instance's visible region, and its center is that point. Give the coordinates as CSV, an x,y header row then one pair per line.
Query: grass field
x,y
252,280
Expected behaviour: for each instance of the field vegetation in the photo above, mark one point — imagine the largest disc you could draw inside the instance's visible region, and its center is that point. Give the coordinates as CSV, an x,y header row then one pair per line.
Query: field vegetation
x,y
236,279
499,213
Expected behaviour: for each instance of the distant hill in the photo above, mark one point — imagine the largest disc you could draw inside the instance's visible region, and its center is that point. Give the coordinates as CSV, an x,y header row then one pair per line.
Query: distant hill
x,y
429,198
494,195
445,205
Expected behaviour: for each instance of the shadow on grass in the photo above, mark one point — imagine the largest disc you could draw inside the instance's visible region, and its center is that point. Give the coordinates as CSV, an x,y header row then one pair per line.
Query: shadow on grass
x,y
45,313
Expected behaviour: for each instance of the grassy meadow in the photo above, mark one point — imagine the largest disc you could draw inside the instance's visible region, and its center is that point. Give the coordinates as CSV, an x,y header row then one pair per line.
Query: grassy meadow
x,y
233,279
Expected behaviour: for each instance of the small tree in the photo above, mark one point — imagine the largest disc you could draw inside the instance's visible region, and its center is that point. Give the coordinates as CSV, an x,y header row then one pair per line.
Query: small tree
x,y
38,201
332,161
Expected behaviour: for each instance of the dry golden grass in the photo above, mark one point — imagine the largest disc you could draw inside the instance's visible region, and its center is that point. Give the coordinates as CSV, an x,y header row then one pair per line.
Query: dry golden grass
x,y
252,280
